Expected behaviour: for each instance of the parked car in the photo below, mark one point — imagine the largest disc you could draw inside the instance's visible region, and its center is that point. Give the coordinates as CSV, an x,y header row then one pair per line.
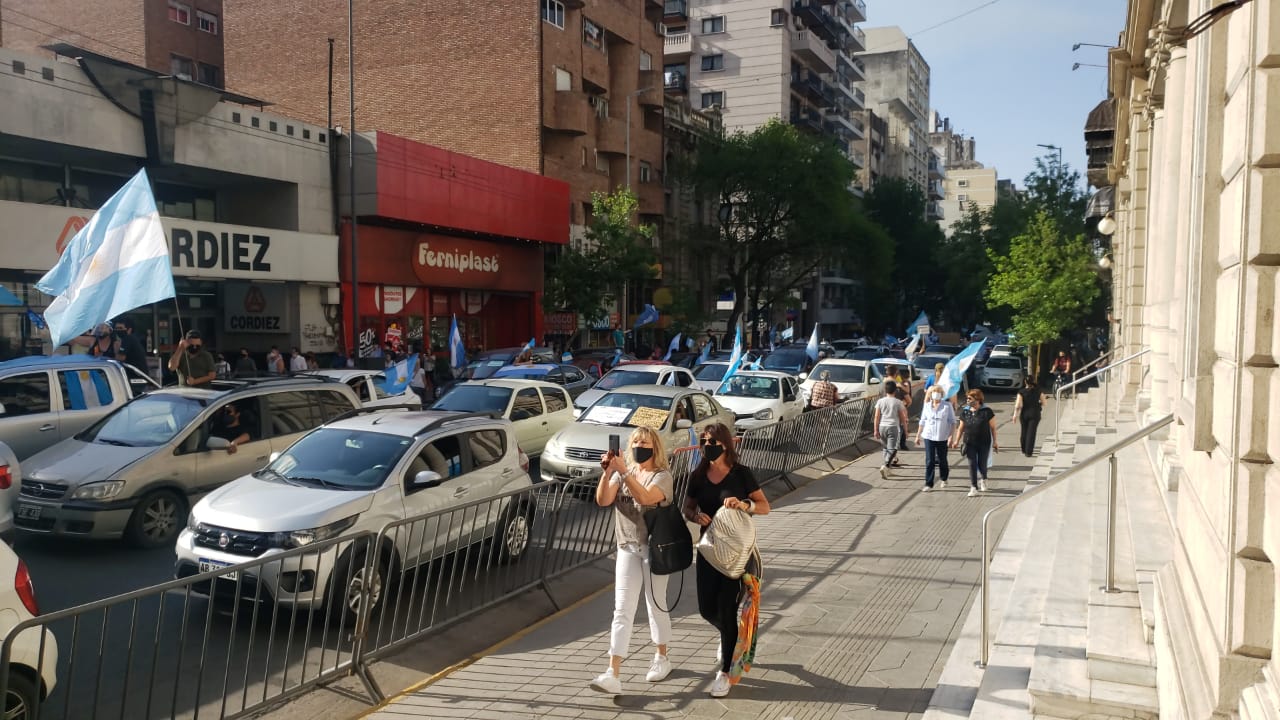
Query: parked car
x,y
574,381
486,363
677,413
368,386
537,410
864,352
791,360
847,345
1011,351
1001,372
595,363
354,475
640,372
708,375
33,657
759,398
853,378
938,349
45,399
134,473
10,481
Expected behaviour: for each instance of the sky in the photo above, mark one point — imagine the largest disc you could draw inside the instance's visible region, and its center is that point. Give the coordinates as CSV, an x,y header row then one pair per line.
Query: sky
x,y
1002,72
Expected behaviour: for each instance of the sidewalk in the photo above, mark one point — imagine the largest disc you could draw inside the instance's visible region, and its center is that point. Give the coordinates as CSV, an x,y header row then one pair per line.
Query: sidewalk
x,y
867,582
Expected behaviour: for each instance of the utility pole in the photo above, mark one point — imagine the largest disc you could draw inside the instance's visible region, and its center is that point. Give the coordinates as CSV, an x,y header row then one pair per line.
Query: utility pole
x,y
351,163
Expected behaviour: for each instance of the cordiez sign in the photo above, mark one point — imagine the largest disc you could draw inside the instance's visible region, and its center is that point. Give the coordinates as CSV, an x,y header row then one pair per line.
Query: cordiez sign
x,y
224,251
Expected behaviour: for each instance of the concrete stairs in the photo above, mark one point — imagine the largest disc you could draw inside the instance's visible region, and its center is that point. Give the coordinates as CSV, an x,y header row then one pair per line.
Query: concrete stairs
x,y
1063,647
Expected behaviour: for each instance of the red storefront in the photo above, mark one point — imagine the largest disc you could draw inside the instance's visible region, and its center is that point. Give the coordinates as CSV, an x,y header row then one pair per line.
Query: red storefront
x,y
443,235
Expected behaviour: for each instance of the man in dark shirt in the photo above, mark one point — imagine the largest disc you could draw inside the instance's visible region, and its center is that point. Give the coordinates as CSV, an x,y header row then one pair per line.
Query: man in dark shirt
x,y
133,352
229,428
194,364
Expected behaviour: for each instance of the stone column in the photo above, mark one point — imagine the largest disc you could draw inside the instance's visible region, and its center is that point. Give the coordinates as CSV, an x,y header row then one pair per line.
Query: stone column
x,y
1168,179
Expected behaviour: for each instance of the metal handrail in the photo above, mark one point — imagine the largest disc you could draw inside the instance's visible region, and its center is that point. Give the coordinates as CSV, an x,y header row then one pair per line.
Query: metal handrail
x,y
1110,455
1076,373
1106,389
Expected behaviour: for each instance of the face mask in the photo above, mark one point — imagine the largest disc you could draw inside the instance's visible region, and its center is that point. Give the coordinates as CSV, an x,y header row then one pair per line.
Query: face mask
x,y
642,455
193,349
713,452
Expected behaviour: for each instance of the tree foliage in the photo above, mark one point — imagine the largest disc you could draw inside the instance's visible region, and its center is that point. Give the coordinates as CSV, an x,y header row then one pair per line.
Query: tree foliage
x,y
616,251
917,276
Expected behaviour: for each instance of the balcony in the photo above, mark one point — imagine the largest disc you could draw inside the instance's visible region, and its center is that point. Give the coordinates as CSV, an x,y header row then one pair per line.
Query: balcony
x,y
859,128
935,168
675,10
813,50
857,10
674,82
858,40
611,136
810,85
677,46
933,211
807,119
815,16
858,158
859,98
567,112
857,70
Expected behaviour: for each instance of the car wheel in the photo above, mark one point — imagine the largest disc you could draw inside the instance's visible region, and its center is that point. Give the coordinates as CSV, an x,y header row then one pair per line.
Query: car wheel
x,y
348,582
157,519
512,538
21,697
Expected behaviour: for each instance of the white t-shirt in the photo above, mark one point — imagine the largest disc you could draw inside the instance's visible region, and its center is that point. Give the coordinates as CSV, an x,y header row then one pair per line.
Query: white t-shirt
x,y
298,363
891,409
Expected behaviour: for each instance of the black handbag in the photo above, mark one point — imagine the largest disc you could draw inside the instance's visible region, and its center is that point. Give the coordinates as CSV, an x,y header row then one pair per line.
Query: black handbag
x,y
670,546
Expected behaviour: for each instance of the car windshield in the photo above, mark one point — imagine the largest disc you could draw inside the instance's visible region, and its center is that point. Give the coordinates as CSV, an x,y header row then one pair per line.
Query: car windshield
x,y
927,362
751,387
949,349
338,458
840,373
475,398
863,353
1004,363
483,368
149,421
629,410
710,371
785,359
884,369
618,378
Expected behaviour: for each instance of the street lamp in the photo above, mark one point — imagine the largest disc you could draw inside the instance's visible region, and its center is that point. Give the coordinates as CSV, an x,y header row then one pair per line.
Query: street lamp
x,y
1077,66
1056,149
630,97
1077,46
1107,225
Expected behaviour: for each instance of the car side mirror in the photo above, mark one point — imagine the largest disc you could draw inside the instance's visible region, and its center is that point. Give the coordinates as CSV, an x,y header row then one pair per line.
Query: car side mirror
x,y
217,443
427,479
684,424
804,376
874,381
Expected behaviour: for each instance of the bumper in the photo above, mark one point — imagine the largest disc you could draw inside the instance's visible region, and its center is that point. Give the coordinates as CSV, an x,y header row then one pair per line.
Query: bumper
x,y
562,470
71,519
742,425
297,580
1001,383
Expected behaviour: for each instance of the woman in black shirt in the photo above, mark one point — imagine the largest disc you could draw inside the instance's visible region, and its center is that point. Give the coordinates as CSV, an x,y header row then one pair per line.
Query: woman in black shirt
x,y
719,482
977,428
1026,410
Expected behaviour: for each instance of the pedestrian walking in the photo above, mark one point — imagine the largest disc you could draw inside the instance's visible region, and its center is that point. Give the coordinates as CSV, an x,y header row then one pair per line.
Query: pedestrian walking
x,y
977,429
889,422
1027,411
720,481
419,380
245,367
222,368
297,362
631,485
824,393
903,394
937,423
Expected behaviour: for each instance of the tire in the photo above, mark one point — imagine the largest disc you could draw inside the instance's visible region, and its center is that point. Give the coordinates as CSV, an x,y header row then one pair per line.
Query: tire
x,y
347,582
21,696
157,519
512,538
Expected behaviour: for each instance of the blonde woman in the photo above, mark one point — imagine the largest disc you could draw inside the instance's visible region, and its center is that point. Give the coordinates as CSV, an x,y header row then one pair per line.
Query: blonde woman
x,y
631,485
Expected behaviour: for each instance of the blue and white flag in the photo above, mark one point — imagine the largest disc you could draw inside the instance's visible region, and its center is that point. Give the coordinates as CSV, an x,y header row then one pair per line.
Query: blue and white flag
x,y
36,320
812,348
913,347
457,350
913,328
533,342
735,360
705,355
646,316
86,389
674,346
787,334
953,372
399,376
118,261
8,298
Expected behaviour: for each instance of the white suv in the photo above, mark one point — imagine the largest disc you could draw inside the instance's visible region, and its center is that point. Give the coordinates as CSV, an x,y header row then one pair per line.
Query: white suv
x,y
353,475
33,663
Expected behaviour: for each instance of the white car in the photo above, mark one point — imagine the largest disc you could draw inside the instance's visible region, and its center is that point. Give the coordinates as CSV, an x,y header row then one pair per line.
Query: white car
x,y
368,386
759,398
640,372
853,378
537,410
356,475
1002,372
33,668
707,375
10,484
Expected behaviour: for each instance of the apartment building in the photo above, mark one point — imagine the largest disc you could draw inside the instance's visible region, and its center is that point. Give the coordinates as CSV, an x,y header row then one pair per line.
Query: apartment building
x,y
957,150
897,89
873,148
755,60
966,189
685,214
174,37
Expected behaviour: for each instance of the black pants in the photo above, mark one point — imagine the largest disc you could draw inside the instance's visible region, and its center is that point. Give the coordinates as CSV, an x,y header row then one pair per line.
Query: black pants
x,y
718,605
977,456
935,456
1029,425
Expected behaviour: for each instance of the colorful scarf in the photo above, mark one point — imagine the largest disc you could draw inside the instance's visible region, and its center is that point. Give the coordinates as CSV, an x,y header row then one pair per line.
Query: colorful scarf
x,y
748,626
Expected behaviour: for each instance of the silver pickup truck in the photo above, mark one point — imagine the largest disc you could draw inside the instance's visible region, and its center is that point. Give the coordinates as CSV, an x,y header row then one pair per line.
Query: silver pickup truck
x,y
45,399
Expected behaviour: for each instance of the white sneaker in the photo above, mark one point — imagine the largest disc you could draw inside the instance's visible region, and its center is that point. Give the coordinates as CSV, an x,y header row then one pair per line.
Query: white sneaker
x,y
973,492
884,471
607,683
982,485
720,686
942,483
659,669
926,488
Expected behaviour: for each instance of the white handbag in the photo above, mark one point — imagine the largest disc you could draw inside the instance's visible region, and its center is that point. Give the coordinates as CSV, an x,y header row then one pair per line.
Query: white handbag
x,y
729,541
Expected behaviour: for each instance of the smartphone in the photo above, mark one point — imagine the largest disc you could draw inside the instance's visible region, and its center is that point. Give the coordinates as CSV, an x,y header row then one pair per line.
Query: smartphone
x,y
615,444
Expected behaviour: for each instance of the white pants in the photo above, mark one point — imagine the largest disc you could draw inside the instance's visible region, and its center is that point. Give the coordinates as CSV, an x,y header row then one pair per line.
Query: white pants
x,y
631,577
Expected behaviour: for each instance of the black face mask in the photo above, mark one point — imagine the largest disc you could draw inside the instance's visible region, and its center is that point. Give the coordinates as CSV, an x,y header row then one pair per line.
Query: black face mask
x,y
642,455
193,349
713,452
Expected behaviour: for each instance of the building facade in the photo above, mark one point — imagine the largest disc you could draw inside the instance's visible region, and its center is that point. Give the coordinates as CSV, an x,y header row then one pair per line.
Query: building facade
x,y
684,271
964,190
1195,260
897,89
957,150
173,37
873,147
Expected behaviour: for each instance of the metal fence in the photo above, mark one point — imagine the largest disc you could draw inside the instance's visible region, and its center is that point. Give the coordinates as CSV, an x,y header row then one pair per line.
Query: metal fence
x,y
227,643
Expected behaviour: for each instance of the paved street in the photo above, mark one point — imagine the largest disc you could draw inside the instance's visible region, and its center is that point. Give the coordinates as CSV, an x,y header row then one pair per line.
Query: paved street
x,y
866,584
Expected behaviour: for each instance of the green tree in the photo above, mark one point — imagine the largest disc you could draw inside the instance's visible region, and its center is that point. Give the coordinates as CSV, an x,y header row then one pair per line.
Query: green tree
x,y
616,251
966,267
1047,280
917,276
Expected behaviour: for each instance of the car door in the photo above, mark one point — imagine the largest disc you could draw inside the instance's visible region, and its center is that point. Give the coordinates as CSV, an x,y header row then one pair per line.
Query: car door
x,y
559,410
432,537
576,382
791,405
706,412
489,474
216,467
29,421
87,396
527,416
364,391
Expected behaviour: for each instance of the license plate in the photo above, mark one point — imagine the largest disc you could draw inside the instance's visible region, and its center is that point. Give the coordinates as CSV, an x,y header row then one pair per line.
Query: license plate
x,y
207,565
578,472
29,512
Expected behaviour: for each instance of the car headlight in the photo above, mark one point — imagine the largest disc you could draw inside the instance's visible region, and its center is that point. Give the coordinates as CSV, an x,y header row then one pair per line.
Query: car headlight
x,y
98,490
300,538
765,414
553,447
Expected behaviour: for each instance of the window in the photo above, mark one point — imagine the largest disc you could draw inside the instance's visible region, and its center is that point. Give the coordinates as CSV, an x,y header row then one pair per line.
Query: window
x,y
646,61
526,405
205,22
564,80
25,394
573,374
487,447
602,163
84,389
553,12
714,24
712,62
712,99
181,67
210,75
646,172
702,408
556,400
963,198
291,412
962,183
332,403
592,35
442,456
179,13
777,17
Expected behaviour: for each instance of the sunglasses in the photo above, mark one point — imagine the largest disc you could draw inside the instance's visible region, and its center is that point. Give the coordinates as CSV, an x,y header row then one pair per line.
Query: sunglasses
x,y
707,442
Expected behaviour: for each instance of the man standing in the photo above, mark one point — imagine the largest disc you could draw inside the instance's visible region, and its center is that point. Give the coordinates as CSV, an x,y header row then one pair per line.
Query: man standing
x,y
889,422
824,393
275,363
245,367
134,354
194,365
711,340
297,363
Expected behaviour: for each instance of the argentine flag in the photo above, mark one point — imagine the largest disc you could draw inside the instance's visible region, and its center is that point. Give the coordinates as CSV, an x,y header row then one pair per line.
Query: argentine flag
x,y
399,375
735,360
675,345
457,350
811,349
117,262
953,372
